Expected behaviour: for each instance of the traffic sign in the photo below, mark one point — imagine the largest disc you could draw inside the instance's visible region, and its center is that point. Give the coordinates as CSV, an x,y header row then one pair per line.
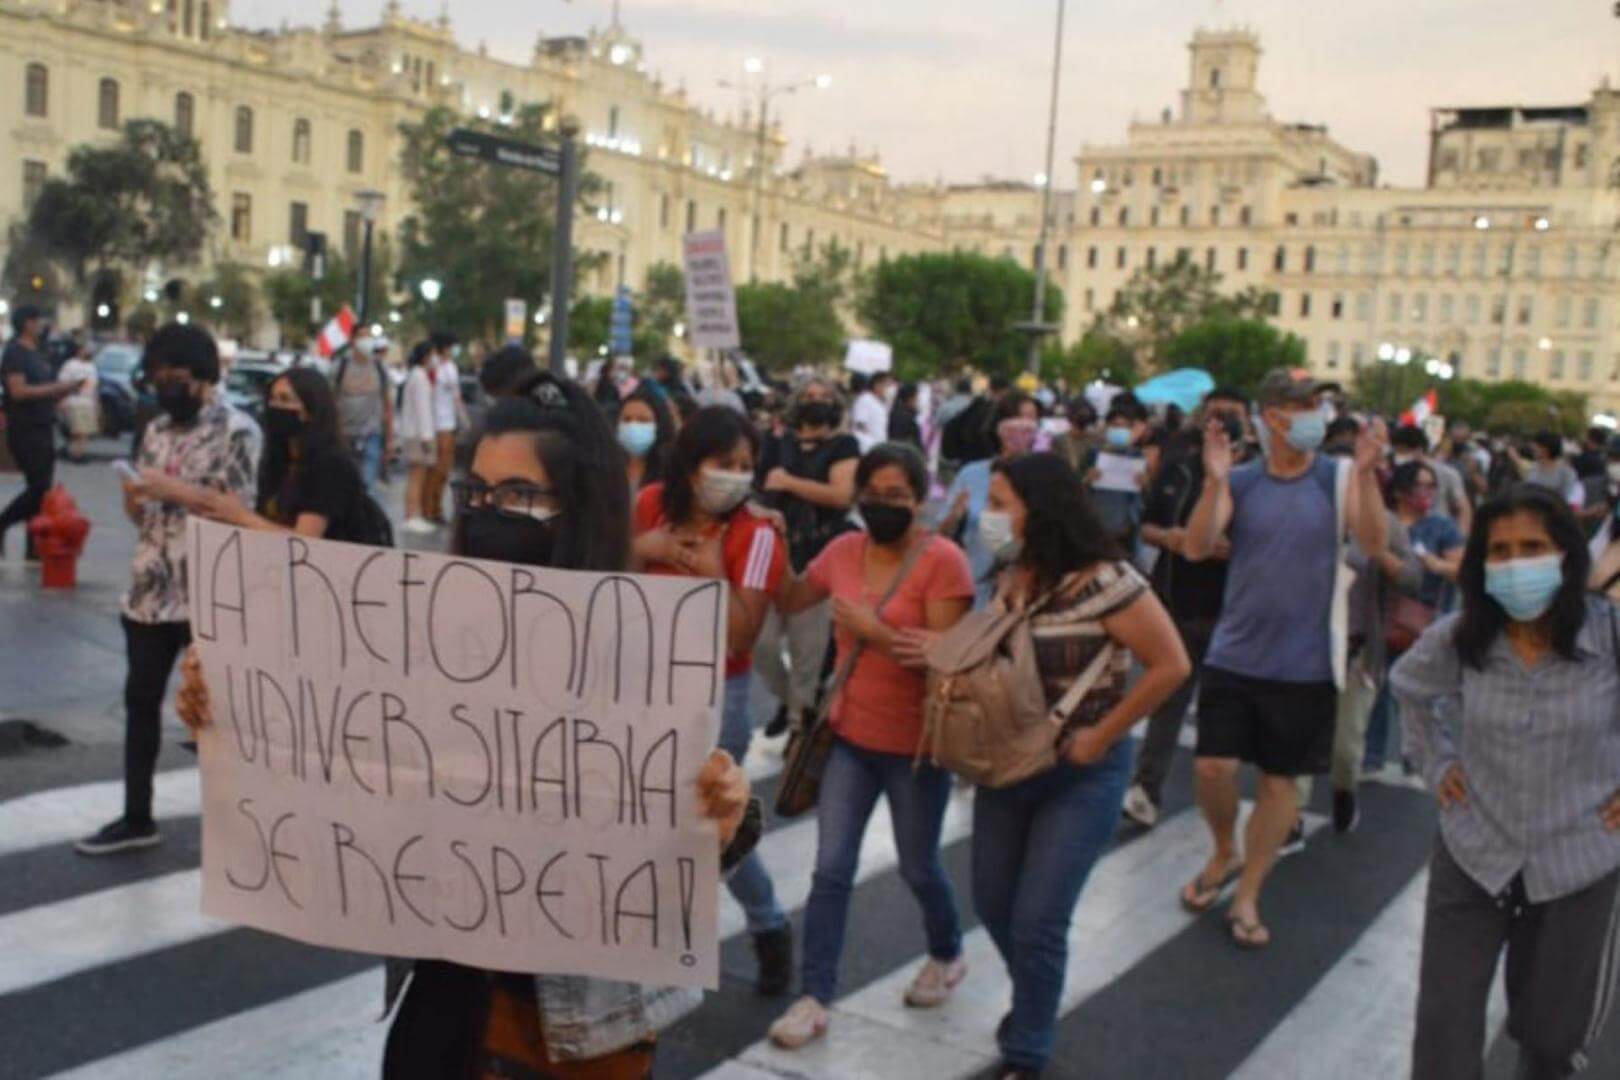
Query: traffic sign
x,y
477,144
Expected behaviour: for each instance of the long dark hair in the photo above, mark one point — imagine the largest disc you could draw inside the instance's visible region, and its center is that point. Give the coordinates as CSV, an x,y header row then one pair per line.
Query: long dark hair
x,y
1062,533
318,443
584,464
1482,618
656,462
713,429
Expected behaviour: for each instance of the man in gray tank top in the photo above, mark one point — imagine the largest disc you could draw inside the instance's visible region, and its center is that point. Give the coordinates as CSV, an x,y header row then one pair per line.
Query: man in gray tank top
x,y
365,404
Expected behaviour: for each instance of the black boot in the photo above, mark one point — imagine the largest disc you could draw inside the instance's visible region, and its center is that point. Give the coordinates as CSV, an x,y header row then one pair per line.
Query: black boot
x,y
778,723
774,951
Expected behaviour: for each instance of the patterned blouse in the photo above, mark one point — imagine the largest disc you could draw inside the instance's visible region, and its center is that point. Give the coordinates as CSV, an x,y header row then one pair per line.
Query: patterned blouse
x,y
1069,634
219,450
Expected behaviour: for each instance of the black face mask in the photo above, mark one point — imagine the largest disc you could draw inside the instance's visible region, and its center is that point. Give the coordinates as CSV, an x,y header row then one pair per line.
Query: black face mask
x,y
177,400
486,533
282,424
884,523
817,414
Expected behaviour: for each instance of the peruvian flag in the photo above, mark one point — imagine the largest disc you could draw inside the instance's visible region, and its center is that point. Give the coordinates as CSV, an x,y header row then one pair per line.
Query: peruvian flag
x,y
336,334
1423,408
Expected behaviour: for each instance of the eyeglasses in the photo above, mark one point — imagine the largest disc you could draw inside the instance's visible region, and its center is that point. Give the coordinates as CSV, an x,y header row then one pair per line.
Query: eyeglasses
x,y
514,498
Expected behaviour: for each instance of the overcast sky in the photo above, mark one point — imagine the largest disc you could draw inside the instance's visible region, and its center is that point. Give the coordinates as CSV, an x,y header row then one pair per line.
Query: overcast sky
x,y
957,88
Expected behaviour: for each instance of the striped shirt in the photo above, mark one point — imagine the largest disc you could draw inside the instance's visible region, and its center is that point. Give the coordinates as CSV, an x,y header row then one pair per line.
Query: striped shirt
x,y
1069,633
1539,747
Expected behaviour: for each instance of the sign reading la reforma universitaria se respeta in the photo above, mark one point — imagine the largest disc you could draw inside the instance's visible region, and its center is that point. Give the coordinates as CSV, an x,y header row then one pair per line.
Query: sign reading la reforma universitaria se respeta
x,y
421,755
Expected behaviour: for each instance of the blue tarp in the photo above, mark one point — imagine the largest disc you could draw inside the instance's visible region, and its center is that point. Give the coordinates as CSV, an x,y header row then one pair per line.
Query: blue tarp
x,y
1184,388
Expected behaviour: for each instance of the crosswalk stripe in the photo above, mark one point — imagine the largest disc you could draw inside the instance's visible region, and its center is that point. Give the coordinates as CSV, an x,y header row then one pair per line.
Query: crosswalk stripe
x,y
63,814
1362,1014
1127,910
51,941
256,1037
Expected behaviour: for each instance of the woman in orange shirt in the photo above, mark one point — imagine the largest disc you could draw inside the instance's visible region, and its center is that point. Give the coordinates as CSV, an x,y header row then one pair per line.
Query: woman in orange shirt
x,y
877,721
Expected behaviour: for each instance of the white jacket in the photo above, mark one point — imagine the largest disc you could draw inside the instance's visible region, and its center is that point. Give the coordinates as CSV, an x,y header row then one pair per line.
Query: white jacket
x,y
416,410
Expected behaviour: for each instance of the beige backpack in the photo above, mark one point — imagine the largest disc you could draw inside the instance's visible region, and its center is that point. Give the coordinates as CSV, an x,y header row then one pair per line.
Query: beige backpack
x,y
985,716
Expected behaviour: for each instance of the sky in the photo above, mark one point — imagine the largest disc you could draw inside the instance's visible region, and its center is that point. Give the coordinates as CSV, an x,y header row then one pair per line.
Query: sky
x,y
957,89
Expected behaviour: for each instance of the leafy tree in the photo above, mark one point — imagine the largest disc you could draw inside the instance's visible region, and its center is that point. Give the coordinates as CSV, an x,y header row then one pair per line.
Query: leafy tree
x,y
288,292
237,312
946,311
1514,407
1158,303
590,327
483,230
783,325
138,204
1235,351
660,307
1097,355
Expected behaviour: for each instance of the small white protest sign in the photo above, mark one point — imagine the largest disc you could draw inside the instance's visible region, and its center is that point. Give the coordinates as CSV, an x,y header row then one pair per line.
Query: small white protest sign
x,y
711,302
868,357
426,756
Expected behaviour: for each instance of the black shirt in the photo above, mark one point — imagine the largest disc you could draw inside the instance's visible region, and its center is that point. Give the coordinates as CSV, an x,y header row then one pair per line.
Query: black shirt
x,y
1191,590
328,485
810,527
19,359
903,426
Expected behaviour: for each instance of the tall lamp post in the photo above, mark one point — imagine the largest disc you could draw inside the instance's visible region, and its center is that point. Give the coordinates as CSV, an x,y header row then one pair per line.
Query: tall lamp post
x,y
755,66
370,202
1038,327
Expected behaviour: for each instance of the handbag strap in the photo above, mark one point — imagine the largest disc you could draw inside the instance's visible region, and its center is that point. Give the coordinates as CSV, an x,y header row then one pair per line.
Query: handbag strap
x,y
847,668
1077,691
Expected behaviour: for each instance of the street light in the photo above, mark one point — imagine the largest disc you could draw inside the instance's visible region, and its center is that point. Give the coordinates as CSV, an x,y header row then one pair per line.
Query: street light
x,y
756,67
430,288
1098,186
216,302
1482,223
370,203
1037,318
1542,224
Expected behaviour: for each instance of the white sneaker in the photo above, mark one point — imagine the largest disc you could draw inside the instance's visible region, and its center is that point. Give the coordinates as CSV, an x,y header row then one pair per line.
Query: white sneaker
x,y
803,1023
1139,808
417,525
934,983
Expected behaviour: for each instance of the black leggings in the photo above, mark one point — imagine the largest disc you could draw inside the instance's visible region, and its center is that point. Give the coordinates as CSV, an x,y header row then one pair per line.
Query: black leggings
x,y
35,453
153,648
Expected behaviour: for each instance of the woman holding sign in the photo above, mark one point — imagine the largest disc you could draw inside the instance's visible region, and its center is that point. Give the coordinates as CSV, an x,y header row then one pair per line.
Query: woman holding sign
x,y
698,523
545,488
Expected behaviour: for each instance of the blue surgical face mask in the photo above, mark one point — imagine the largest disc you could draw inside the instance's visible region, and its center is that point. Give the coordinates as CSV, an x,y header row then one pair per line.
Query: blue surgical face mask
x,y
1306,430
1525,587
1119,437
637,436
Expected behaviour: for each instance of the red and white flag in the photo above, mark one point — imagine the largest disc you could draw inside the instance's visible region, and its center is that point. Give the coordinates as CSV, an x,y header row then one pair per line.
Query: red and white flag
x,y
337,333
1423,408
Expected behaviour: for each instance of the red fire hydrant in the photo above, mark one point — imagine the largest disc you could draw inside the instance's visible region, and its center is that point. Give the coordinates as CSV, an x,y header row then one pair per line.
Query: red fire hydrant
x,y
59,533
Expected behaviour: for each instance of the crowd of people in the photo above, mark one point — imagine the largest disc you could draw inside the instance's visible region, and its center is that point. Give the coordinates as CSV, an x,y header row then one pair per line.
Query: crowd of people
x,y
1323,595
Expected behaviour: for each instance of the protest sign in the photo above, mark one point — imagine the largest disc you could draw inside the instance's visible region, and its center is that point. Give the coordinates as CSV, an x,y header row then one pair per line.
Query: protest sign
x,y
868,357
711,302
427,756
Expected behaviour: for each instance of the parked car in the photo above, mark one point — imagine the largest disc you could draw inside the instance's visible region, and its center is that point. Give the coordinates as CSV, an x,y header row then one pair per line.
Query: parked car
x,y
119,386
246,384
117,362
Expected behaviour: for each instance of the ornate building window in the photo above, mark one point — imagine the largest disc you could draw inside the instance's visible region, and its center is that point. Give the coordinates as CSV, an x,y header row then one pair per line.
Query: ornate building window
x,y
300,147
185,110
107,104
357,151
244,130
37,90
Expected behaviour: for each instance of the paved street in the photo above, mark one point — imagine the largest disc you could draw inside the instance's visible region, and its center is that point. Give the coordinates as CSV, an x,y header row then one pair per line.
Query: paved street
x,y
110,971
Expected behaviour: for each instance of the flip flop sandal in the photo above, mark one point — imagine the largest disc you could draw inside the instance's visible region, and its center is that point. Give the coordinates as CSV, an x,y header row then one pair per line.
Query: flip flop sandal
x,y
1248,935
1204,895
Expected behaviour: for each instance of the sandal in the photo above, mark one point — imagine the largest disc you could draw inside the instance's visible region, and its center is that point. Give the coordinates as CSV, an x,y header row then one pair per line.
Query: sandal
x,y
1198,895
1248,935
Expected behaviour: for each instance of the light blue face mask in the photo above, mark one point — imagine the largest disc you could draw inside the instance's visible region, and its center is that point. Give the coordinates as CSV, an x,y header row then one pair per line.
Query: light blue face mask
x,y
1119,437
637,437
1525,587
1306,430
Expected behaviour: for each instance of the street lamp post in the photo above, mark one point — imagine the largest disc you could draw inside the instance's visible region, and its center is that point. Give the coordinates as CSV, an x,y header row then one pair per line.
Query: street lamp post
x,y
430,288
370,202
1037,318
755,66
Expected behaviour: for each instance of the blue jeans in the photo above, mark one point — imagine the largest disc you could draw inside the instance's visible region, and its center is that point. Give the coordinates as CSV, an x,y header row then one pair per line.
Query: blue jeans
x,y
850,787
1378,721
368,451
1034,844
750,883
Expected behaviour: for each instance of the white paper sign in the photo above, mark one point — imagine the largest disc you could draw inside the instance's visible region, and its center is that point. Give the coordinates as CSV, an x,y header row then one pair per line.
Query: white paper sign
x,y
1119,472
868,357
425,756
711,303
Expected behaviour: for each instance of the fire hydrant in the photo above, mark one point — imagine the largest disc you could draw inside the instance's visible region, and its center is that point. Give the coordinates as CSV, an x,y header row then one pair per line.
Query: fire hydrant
x,y
59,533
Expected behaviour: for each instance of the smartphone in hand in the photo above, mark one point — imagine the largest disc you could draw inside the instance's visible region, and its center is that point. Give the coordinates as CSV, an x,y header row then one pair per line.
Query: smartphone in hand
x,y
127,471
